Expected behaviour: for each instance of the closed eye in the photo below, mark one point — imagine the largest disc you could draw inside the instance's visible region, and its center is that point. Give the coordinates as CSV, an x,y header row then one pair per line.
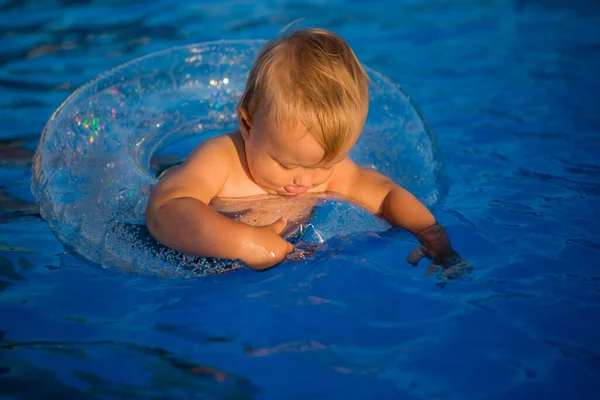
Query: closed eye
x,y
284,166
290,167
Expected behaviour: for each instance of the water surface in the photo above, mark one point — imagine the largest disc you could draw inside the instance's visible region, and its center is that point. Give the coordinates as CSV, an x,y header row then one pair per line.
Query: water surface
x,y
510,89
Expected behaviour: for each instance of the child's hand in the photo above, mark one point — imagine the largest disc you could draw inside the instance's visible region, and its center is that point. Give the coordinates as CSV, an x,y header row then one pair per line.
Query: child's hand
x,y
265,248
436,246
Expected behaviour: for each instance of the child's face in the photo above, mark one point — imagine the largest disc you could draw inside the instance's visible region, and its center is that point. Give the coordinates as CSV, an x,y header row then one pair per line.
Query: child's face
x,y
285,160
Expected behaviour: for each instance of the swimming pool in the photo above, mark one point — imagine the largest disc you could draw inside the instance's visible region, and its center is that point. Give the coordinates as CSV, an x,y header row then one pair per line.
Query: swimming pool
x,y
510,89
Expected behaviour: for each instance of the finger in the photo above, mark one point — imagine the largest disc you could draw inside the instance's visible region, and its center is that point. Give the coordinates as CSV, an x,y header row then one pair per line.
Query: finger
x,y
290,248
469,268
415,256
464,266
310,246
429,253
279,225
432,269
452,273
299,254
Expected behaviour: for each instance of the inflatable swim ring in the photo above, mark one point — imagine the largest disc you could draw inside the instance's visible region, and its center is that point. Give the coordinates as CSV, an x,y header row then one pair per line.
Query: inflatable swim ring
x,y
92,169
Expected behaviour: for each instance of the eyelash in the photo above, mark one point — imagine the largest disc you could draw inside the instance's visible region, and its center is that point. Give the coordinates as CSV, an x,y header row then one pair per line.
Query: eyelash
x,y
291,168
283,166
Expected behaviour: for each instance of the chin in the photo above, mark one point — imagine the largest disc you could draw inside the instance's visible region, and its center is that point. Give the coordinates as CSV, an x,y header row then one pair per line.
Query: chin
x,y
273,191
280,192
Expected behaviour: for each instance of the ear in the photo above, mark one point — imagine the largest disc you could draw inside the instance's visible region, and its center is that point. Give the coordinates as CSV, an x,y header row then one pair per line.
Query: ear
x,y
244,122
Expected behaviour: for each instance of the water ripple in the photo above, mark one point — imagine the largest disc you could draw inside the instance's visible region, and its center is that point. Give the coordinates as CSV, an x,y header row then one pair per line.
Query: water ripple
x,y
510,89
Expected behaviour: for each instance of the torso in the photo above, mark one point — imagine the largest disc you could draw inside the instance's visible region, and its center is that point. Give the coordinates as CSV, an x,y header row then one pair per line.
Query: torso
x,y
242,199
265,209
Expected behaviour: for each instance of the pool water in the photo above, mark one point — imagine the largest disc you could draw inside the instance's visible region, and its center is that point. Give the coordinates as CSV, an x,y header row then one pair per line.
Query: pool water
x,y
511,91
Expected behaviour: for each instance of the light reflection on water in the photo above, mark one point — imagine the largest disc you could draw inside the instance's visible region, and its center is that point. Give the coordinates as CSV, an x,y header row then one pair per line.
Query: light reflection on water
x,y
510,89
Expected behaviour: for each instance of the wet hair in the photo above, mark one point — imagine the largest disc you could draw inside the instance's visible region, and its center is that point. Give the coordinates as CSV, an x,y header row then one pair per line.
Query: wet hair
x,y
311,76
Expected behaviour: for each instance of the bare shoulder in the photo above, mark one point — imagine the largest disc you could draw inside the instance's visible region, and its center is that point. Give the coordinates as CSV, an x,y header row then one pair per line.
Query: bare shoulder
x,y
219,150
201,176
363,185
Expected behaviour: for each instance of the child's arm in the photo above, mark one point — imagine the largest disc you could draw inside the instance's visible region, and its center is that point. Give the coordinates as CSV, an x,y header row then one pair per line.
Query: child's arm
x,y
379,194
179,217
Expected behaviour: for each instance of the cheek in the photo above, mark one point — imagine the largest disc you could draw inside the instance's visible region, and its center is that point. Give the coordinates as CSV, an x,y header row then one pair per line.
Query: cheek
x,y
256,160
323,176
267,172
276,175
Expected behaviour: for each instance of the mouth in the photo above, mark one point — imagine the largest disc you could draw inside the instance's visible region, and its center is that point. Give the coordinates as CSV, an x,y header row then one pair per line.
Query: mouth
x,y
295,190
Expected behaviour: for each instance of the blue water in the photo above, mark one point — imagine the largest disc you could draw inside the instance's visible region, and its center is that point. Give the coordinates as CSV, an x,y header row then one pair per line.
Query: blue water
x,y
510,89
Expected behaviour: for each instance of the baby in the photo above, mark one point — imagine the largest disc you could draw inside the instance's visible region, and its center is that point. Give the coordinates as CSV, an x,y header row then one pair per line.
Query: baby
x,y
304,107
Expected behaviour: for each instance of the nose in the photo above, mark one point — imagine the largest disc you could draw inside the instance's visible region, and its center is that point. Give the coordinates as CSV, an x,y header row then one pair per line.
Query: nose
x,y
305,179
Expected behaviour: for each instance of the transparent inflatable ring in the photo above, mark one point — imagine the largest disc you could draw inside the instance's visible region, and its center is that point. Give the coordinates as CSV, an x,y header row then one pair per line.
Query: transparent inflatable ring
x,y
92,169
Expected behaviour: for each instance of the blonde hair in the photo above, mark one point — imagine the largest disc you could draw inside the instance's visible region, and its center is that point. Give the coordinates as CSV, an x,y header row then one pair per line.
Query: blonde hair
x,y
310,75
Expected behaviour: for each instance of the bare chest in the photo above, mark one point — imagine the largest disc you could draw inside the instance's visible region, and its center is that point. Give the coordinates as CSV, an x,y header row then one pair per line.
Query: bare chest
x,y
265,209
